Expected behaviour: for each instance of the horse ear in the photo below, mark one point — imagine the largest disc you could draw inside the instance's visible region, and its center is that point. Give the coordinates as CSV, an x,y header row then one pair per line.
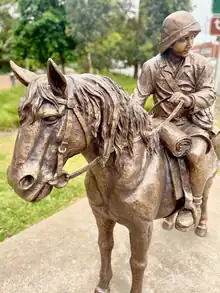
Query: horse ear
x,y
55,78
23,75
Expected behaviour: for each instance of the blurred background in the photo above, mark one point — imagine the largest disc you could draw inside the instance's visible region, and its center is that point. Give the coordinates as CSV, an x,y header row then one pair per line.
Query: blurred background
x,y
108,37
94,35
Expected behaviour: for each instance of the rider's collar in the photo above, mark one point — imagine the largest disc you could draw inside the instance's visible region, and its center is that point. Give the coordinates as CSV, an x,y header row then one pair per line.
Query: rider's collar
x,y
165,64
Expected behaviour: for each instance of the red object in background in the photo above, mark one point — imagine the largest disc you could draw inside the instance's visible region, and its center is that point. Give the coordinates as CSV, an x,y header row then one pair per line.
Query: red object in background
x,y
215,26
209,49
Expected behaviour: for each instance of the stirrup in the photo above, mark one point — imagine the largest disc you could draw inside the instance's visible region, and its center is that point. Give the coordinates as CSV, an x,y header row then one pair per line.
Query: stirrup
x,y
189,223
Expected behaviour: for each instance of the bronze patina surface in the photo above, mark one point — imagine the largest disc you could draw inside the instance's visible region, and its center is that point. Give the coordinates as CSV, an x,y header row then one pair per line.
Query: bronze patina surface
x,y
129,173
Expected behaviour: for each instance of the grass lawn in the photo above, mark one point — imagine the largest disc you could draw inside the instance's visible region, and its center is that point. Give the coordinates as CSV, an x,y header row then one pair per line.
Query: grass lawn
x,y
9,106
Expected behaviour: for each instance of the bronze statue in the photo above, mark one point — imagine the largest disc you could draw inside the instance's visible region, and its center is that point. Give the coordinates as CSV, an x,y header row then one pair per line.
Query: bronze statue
x,y
128,178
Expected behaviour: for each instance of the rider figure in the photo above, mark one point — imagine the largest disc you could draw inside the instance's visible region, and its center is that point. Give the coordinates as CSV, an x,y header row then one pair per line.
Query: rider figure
x,y
177,74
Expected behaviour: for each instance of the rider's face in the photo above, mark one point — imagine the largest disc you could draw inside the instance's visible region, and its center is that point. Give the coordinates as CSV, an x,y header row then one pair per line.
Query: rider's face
x,y
182,47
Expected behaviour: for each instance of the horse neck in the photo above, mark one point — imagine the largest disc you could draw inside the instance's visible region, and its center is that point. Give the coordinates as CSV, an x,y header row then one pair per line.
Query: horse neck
x,y
91,152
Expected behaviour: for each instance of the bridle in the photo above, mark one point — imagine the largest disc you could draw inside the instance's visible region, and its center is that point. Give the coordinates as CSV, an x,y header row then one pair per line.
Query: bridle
x,y
61,177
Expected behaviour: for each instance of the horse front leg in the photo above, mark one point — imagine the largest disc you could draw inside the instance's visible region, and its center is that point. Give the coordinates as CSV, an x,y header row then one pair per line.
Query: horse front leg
x,y
140,241
106,243
202,228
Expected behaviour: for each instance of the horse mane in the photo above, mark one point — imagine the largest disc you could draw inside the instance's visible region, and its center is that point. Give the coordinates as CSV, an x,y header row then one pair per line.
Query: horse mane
x,y
114,119
109,111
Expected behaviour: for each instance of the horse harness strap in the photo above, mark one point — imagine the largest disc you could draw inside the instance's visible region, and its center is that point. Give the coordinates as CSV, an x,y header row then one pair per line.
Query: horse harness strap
x,y
61,177
62,149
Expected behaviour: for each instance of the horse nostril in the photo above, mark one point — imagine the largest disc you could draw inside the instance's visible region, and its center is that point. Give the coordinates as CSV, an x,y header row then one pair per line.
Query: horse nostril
x,y
26,182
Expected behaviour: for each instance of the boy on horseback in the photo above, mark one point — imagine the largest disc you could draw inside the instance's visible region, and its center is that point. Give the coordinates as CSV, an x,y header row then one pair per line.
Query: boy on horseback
x,y
177,75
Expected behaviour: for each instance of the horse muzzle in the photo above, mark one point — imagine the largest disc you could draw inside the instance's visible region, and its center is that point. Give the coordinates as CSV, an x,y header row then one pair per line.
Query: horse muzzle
x,y
27,186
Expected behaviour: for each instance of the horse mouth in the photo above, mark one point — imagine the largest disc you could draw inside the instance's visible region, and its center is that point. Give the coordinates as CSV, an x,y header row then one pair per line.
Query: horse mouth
x,y
43,192
59,181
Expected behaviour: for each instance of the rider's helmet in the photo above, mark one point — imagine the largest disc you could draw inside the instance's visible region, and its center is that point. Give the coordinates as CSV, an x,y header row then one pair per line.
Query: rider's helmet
x,y
176,26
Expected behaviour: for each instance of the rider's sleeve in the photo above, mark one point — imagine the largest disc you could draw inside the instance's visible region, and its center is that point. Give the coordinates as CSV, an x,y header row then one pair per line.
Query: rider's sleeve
x,y
145,85
205,95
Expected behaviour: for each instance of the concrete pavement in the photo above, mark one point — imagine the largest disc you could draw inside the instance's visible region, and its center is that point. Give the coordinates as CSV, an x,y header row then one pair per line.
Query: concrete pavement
x,y
60,255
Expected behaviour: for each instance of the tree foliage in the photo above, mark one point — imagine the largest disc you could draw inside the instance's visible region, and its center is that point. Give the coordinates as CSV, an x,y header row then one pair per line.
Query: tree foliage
x,y
42,32
95,23
105,30
105,50
90,19
6,22
135,47
109,29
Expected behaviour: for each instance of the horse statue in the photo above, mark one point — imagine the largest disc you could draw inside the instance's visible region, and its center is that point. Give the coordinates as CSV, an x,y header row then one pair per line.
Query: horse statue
x,y
128,179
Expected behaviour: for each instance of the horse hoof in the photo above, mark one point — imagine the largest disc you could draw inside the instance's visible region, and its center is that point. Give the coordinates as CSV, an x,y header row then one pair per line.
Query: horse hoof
x,y
167,225
201,232
100,290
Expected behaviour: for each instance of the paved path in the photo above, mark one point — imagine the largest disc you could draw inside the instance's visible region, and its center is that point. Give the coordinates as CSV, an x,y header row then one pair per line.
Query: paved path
x,y
60,255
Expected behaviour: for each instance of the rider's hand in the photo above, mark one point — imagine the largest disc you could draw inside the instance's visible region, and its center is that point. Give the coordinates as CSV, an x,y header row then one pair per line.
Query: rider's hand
x,y
177,97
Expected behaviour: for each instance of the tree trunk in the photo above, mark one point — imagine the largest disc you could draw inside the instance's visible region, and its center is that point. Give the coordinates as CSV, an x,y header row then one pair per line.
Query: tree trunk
x,y
27,64
89,59
63,67
62,60
138,32
135,69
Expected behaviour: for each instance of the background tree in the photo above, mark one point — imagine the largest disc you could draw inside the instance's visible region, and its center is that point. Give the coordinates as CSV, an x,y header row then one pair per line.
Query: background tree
x,y
135,47
94,24
6,22
105,30
42,32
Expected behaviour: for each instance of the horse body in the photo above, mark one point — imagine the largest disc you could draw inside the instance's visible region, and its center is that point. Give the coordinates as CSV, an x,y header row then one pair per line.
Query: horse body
x,y
132,188
130,185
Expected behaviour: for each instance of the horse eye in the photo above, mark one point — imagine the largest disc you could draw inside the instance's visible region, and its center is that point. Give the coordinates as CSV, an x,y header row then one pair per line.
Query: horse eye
x,y
50,119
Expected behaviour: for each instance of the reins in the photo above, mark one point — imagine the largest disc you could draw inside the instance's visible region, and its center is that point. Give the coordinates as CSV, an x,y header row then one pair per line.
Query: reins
x,y
171,116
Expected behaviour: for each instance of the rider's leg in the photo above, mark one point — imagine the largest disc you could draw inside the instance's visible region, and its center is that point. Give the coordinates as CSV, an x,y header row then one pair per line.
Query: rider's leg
x,y
197,174
197,168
